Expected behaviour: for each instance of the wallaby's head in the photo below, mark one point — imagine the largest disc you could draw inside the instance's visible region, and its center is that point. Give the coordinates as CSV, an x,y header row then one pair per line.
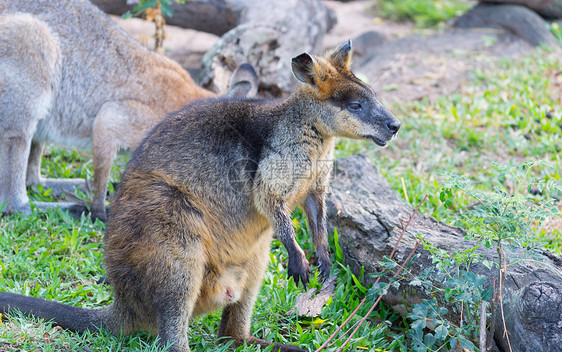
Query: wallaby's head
x,y
350,108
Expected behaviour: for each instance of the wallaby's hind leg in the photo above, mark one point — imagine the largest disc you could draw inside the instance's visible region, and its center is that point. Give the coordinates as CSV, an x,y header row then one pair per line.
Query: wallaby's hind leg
x,y
173,279
173,324
236,318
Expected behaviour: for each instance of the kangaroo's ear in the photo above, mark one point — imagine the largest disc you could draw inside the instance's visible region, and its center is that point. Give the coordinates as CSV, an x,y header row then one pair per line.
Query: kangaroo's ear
x,y
342,56
303,68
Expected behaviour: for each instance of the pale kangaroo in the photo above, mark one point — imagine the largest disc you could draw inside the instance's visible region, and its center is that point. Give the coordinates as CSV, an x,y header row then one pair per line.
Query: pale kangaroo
x,y
70,76
192,220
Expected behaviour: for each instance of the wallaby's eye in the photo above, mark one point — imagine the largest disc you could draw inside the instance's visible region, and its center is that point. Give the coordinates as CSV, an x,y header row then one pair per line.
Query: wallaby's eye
x,y
354,106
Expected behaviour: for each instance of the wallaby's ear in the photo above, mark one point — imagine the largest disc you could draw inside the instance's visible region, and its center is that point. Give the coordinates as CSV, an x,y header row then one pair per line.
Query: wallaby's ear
x,y
342,57
303,68
243,82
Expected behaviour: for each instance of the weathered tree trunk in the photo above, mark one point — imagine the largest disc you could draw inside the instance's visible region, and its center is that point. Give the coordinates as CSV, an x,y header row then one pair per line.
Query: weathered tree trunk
x,y
265,34
545,8
367,214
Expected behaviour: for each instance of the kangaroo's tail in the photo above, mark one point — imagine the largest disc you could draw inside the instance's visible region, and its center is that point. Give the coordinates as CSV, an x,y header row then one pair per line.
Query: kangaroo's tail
x,y
68,317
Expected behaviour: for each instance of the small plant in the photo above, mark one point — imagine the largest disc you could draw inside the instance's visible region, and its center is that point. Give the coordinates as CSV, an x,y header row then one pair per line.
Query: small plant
x,y
499,219
155,11
506,217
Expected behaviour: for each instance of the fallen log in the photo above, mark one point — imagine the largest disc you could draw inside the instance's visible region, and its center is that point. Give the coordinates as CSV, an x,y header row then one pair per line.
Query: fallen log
x,y
210,16
367,213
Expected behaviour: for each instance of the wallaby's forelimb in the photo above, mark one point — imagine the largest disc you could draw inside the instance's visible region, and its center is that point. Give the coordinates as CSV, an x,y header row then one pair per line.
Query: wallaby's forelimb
x,y
298,267
315,211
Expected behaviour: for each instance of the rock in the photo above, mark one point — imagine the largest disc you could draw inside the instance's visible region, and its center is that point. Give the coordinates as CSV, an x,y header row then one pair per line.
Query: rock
x,y
367,214
513,18
415,66
367,41
546,8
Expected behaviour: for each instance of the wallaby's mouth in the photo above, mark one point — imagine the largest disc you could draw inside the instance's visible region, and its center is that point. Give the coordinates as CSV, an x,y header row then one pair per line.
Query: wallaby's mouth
x,y
377,141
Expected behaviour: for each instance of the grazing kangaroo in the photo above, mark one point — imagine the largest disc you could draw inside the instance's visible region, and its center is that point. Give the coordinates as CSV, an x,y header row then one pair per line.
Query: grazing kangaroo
x,y
70,76
192,220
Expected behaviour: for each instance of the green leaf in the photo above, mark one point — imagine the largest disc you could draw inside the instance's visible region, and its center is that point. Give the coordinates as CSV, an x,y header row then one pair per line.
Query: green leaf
x,y
429,340
378,289
441,332
387,263
339,252
145,4
487,293
466,344
418,325
358,284
487,264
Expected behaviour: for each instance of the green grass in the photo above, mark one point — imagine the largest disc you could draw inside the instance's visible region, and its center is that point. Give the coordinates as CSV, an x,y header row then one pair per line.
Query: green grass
x,y
511,111
52,256
424,13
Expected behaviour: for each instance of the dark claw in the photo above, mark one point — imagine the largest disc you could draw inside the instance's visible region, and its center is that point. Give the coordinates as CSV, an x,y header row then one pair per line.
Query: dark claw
x,y
298,269
324,265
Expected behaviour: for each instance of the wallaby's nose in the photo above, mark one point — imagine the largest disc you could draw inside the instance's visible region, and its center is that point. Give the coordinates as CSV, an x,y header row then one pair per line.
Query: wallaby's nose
x,y
393,126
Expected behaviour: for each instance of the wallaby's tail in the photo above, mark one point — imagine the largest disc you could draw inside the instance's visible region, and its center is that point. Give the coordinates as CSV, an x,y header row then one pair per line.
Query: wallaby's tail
x,y
68,317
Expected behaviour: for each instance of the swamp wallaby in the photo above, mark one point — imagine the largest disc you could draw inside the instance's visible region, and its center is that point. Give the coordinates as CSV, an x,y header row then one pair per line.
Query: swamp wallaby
x,y
192,220
70,76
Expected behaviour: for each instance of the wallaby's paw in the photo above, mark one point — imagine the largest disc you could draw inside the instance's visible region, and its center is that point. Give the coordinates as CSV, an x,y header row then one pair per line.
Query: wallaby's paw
x,y
324,264
99,215
298,268
77,210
